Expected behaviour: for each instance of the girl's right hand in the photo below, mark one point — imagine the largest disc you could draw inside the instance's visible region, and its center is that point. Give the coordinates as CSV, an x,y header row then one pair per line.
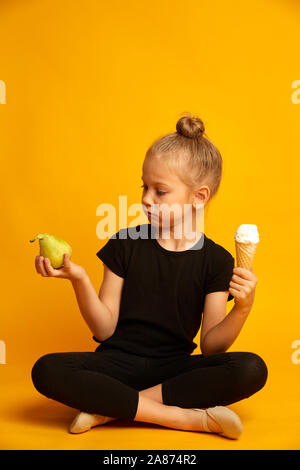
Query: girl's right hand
x,y
69,270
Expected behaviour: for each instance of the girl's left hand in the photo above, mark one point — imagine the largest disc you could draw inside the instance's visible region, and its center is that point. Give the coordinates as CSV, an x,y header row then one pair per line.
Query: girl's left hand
x,y
242,287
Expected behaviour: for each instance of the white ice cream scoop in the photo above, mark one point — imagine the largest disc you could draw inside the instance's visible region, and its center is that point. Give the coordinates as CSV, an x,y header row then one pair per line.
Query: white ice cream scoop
x,y
246,240
247,233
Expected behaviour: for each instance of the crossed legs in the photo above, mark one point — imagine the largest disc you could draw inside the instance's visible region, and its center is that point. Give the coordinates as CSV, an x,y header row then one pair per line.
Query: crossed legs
x,y
80,381
152,410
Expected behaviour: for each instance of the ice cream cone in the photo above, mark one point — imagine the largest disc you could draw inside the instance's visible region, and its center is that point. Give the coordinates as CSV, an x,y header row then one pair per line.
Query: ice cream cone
x,y
246,240
244,254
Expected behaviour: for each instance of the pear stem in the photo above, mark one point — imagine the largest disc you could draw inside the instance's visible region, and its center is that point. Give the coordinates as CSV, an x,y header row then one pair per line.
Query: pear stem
x,y
37,236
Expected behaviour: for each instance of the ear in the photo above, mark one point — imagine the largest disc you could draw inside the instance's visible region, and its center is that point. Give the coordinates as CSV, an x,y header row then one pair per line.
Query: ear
x,y
202,195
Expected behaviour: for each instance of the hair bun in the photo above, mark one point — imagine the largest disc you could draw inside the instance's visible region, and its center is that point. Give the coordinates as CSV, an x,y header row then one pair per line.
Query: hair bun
x,y
190,126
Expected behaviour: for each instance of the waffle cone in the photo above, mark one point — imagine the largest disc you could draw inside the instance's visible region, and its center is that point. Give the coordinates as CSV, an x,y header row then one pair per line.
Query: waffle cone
x,y
244,254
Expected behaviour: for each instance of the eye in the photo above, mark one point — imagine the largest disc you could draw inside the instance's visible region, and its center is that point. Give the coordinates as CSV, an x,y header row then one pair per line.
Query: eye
x,y
160,193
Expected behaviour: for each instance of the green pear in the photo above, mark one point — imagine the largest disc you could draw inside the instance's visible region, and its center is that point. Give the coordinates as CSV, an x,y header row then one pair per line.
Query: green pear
x,y
53,248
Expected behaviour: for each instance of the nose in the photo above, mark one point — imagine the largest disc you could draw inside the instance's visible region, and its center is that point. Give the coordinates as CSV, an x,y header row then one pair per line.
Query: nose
x,y
146,208
146,202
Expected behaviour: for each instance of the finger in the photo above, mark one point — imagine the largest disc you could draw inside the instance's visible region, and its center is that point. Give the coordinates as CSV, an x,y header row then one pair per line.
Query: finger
x,y
42,270
37,264
49,269
66,260
243,272
233,291
239,280
235,286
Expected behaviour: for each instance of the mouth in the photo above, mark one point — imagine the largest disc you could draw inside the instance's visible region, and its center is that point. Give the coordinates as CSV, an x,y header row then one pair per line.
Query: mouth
x,y
151,215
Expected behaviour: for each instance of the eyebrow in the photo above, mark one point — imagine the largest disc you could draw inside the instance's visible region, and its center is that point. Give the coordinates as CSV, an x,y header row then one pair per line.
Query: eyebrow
x,y
159,182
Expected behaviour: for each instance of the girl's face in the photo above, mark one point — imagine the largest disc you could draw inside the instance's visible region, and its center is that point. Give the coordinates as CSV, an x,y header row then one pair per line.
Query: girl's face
x,y
164,195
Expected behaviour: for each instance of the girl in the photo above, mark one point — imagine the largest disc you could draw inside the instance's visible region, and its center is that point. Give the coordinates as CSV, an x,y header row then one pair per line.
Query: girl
x,y
156,289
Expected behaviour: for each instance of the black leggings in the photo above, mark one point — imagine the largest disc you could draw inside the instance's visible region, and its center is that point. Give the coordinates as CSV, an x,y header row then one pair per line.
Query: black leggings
x,y
108,381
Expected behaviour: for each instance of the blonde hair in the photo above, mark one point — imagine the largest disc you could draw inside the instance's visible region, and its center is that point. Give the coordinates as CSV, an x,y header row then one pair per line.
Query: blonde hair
x,y
192,155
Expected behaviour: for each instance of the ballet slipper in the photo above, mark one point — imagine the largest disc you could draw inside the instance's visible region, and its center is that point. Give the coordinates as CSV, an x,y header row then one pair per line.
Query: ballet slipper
x,y
85,421
227,419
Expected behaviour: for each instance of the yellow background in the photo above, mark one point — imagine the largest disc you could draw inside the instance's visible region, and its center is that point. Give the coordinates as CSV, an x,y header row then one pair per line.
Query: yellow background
x,y
89,86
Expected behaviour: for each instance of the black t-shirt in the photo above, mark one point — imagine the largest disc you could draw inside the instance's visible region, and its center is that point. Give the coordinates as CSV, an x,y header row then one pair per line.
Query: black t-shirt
x,y
164,291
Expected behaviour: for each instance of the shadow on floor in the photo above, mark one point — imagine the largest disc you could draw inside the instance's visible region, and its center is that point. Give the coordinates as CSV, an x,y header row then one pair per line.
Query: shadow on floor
x,y
51,414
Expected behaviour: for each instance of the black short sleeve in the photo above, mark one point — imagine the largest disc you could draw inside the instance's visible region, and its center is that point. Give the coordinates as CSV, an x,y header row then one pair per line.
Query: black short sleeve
x,y
113,256
221,273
